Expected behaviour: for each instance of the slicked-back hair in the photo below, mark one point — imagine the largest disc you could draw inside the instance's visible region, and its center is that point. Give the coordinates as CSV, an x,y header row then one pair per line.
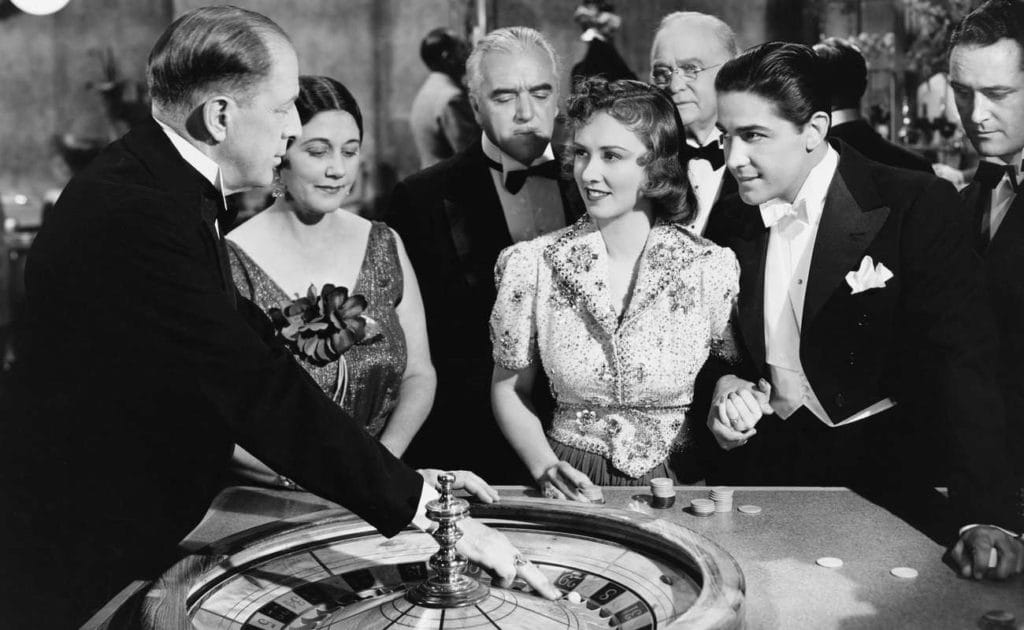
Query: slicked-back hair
x,y
789,75
652,117
992,21
846,72
511,40
323,94
722,31
444,51
220,48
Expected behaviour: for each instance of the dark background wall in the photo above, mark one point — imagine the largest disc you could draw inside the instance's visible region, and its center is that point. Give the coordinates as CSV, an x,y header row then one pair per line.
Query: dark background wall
x,y
371,45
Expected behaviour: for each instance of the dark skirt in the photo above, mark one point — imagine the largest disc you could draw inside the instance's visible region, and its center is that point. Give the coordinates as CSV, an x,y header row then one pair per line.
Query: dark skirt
x,y
600,469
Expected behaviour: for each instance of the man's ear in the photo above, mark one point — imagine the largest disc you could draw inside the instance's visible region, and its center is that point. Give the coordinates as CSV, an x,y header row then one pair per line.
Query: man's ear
x,y
216,114
816,130
476,108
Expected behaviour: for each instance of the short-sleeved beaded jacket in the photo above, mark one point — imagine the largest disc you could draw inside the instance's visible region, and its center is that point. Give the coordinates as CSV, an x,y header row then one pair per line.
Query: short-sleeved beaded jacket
x,y
622,385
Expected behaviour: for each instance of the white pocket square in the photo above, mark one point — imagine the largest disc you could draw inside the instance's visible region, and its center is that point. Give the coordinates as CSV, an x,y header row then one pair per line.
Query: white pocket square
x,y
868,276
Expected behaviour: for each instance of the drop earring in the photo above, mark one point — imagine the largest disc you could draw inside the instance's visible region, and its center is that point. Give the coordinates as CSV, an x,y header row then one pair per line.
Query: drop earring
x,y
277,189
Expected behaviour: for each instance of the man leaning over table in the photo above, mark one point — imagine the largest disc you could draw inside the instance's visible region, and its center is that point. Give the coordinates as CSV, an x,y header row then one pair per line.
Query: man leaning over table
x,y
986,73
146,365
859,298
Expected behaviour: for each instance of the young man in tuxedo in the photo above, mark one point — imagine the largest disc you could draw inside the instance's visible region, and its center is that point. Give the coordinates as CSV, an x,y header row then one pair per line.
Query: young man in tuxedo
x,y
860,298
145,365
847,75
986,72
455,218
689,49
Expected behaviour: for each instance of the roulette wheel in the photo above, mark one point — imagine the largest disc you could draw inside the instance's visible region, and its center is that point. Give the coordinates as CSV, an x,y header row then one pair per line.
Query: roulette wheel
x,y
330,570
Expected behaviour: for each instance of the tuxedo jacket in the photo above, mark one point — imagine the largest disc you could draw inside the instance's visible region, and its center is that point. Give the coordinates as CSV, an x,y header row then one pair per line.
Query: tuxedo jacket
x,y
859,135
1002,263
452,224
145,366
603,60
927,334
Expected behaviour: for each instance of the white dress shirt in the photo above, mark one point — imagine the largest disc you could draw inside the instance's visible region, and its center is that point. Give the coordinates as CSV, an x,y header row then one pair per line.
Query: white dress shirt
x,y
211,172
1003,195
198,160
787,268
706,183
537,208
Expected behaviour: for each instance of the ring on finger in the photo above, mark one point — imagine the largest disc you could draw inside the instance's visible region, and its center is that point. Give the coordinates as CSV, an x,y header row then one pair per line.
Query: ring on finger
x,y
519,560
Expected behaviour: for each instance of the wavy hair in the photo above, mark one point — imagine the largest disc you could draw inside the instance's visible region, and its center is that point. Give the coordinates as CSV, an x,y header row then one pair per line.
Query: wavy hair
x,y
653,118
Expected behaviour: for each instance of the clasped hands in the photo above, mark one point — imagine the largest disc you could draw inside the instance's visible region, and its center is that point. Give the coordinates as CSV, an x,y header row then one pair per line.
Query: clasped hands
x,y
736,408
488,547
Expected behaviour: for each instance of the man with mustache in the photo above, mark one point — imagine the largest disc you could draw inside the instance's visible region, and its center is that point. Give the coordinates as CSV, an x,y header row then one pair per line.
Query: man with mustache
x,y
455,218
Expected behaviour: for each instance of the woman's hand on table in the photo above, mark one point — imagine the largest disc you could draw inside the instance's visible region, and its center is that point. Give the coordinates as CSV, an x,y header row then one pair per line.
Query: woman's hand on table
x,y
493,551
464,480
562,481
738,405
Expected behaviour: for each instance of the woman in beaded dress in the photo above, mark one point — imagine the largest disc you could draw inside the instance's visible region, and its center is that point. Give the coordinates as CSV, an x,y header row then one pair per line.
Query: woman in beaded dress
x,y
621,309
304,239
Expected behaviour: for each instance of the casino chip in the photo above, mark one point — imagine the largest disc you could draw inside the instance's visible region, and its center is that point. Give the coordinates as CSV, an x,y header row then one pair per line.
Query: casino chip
x,y
750,509
829,562
904,572
999,619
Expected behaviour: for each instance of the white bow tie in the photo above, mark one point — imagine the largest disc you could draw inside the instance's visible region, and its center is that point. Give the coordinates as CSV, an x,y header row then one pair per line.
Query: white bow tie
x,y
774,211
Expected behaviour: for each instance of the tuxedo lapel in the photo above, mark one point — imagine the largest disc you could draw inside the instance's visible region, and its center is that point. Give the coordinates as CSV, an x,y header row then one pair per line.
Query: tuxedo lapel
x,y
852,216
751,249
1011,230
977,198
476,221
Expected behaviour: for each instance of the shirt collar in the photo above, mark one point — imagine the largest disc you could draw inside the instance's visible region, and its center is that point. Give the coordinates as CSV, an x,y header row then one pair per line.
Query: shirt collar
x,y
815,187
715,134
509,163
195,158
841,116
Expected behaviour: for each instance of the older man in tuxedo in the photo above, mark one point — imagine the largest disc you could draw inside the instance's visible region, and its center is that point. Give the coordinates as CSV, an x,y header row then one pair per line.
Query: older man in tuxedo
x,y
689,49
860,298
458,215
145,365
986,72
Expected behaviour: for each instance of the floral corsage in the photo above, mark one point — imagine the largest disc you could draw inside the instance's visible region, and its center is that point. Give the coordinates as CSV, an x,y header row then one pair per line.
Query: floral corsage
x,y
320,329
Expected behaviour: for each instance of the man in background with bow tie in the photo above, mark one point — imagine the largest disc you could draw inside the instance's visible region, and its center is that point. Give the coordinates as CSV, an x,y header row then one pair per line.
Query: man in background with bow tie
x,y
860,304
986,72
455,218
689,48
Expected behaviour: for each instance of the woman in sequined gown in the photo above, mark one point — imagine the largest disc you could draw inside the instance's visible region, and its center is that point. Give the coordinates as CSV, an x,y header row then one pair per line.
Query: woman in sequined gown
x,y
621,309
304,239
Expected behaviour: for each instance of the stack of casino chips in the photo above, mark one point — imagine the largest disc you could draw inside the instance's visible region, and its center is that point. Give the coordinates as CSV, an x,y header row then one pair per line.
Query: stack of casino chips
x,y
702,507
663,492
722,498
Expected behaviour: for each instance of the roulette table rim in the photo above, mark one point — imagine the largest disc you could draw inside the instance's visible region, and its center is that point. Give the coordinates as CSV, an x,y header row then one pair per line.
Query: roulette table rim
x,y
720,603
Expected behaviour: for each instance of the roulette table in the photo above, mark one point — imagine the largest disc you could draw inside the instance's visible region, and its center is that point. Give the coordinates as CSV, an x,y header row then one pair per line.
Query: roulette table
x,y
630,566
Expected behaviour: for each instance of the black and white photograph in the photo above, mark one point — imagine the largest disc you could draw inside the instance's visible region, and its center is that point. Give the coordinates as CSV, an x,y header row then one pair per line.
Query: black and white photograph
x,y
518,314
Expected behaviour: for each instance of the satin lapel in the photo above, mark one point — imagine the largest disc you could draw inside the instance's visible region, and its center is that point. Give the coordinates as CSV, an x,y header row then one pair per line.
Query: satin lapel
x,y
579,261
475,219
751,249
845,231
1011,230
976,197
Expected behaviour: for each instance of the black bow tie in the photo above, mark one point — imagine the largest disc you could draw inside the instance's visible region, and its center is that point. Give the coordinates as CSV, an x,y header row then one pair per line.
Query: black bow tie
x,y
710,152
514,180
989,174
